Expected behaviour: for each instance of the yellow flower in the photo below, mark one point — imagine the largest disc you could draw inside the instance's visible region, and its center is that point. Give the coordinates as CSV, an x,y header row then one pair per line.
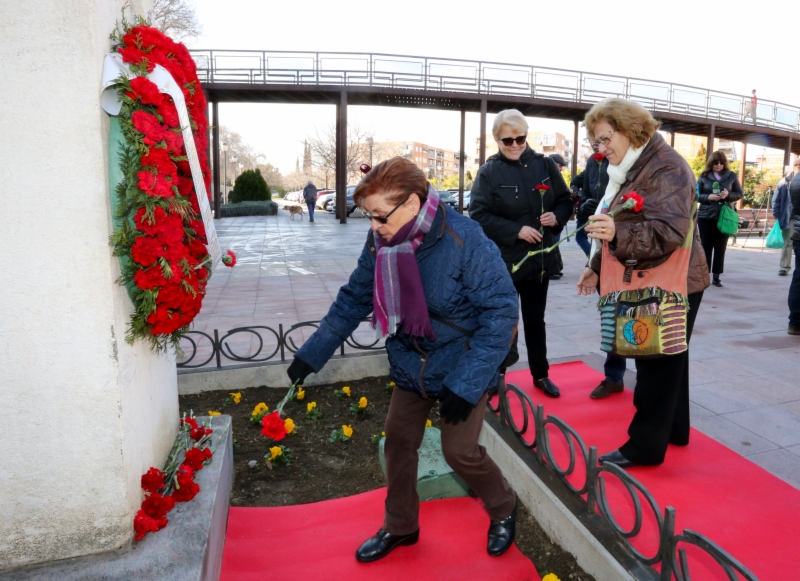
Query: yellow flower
x,y
346,390
300,394
428,424
393,384
551,577
311,405
362,403
212,413
383,433
260,409
289,424
275,451
347,431
236,397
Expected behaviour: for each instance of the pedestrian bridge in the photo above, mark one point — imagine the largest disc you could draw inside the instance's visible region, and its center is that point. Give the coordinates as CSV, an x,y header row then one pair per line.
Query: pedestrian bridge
x,y
340,79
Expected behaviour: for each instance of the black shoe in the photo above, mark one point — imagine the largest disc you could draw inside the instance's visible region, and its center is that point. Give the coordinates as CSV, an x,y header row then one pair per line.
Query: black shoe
x,y
782,272
793,330
716,282
617,458
501,534
605,389
549,388
556,276
381,544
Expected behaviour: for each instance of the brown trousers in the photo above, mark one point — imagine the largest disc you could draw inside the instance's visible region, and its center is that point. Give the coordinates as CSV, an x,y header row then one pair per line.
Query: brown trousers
x,y
405,427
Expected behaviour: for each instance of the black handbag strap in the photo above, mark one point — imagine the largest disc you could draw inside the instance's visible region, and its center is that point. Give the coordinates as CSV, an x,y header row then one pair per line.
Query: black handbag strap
x,y
440,319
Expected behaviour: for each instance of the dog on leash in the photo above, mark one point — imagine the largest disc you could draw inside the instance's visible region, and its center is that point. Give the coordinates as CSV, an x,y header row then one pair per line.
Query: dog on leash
x,y
295,211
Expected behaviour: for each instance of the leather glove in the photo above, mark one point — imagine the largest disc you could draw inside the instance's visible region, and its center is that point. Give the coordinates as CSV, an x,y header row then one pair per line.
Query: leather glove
x,y
454,409
589,207
298,371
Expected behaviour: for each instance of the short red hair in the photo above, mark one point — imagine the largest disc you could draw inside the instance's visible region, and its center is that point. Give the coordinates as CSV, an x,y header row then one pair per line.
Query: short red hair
x,y
395,178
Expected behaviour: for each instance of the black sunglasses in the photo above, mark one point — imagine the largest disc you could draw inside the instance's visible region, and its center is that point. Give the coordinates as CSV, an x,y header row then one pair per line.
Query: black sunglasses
x,y
507,141
384,219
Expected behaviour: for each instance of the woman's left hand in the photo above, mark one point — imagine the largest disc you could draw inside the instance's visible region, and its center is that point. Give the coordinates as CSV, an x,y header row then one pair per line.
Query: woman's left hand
x,y
548,219
602,227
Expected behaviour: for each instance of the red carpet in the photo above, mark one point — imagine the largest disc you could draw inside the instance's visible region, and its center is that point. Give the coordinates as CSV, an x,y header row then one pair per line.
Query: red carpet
x,y
743,508
318,541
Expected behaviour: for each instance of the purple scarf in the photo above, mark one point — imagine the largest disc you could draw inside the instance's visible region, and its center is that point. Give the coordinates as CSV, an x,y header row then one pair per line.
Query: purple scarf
x,y
399,297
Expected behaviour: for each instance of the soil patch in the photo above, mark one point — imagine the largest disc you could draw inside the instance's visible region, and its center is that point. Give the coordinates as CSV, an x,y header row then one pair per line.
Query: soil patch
x,y
323,470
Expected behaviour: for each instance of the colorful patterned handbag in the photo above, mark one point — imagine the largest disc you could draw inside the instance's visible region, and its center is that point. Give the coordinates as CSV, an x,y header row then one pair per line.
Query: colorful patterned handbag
x,y
643,312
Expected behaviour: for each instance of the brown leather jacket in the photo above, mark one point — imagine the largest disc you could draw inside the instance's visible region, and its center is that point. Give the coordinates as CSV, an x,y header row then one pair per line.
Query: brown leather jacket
x,y
665,181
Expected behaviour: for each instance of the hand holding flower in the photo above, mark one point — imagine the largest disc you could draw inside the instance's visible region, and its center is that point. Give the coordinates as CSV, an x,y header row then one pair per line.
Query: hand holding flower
x,y
601,227
529,235
548,219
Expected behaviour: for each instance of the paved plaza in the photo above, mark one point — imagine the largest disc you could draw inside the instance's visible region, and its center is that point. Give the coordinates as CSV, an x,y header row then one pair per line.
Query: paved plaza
x,y
745,390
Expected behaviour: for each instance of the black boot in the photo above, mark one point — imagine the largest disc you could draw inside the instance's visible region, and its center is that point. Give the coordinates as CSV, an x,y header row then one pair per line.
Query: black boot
x,y
381,544
716,281
501,534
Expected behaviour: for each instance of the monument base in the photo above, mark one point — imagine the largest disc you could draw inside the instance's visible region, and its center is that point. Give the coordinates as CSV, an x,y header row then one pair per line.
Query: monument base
x,y
188,549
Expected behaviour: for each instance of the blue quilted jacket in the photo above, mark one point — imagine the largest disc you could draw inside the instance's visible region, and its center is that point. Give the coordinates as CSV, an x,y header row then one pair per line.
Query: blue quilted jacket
x,y
466,282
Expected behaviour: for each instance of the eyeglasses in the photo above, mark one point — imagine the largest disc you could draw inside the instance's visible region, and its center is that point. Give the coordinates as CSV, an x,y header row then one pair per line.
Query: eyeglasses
x,y
604,140
719,163
384,219
507,141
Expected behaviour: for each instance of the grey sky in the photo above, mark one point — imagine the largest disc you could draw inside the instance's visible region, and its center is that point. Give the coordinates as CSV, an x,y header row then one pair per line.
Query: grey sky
x,y
732,46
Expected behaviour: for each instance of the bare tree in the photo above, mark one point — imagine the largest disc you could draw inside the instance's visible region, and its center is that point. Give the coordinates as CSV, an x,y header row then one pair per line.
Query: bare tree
x,y
176,18
248,157
323,151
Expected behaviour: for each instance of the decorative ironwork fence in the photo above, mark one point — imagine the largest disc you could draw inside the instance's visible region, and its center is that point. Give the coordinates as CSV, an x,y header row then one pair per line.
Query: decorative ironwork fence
x,y
670,554
263,67
273,344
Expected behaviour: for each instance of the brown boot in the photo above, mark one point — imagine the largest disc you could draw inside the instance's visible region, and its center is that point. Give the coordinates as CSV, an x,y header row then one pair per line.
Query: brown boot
x,y
605,389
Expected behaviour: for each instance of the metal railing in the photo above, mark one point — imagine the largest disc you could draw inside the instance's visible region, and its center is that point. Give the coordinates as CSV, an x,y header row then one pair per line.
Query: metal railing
x,y
262,67
670,553
273,344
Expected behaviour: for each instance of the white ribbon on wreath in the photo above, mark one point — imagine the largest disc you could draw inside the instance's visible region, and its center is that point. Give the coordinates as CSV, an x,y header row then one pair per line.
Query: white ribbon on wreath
x,y
113,67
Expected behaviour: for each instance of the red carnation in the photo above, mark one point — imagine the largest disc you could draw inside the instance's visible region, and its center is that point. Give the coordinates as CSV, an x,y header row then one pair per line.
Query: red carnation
x,y
174,140
186,187
273,426
143,524
132,55
189,421
146,250
542,187
153,480
365,167
157,506
195,458
168,113
164,321
146,91
154,185
598,157
158,159
198,434
638,201
187,488
229,259
168,228
198,227
149,126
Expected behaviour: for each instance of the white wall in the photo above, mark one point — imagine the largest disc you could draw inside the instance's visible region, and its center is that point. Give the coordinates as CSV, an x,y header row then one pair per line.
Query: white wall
x,y
84,413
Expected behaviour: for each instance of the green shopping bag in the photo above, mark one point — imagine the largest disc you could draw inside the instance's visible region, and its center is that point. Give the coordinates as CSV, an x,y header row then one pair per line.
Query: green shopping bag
x,y
775,237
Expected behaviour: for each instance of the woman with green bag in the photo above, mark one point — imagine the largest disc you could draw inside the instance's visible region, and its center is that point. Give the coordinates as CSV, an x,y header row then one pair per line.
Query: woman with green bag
x,y
717,187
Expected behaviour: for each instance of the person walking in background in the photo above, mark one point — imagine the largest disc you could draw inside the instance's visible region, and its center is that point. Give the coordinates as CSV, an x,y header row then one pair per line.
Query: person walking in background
x,y
750,108
641,161
782,212
310,197
561,164
592,181
521,200
794,289
717,185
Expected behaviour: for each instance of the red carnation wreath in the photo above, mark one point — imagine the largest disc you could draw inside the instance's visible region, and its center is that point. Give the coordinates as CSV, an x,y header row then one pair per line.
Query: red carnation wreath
x,y
160,239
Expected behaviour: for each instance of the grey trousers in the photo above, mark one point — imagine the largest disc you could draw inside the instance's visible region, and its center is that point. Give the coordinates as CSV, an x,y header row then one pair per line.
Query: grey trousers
x,y
405,427
787,254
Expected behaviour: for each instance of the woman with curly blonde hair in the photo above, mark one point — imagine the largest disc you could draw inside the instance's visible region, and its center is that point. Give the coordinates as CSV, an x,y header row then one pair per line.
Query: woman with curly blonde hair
x,y
641,161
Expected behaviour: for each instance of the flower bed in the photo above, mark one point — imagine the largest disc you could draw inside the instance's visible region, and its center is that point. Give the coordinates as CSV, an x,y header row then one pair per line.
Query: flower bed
x,y
318,468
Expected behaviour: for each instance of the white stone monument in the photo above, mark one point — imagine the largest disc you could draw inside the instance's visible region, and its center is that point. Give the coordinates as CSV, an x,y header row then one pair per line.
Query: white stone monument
x,y
84,414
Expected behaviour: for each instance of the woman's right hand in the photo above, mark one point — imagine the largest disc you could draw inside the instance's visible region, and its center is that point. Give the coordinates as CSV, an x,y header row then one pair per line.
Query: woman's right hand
x,y
530,235
587,283
714,197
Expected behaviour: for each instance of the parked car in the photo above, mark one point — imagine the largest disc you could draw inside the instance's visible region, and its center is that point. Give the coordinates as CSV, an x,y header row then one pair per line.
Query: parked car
x,y
323,197
294,196
351,205
454,193
447,198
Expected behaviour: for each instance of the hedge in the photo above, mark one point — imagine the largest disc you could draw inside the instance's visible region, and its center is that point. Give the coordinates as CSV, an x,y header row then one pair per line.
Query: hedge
x,y
248,209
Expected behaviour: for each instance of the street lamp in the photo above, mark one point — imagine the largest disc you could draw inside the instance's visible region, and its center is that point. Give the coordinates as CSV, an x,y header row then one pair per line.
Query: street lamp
x,y
370,142
234,159
225,181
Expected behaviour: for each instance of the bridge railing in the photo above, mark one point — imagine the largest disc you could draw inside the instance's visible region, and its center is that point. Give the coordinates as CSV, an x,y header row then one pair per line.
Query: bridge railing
x,y
256,67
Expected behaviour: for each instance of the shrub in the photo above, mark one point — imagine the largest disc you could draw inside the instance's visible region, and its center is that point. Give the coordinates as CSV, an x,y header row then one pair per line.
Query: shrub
x,y
277,191
249,209
250,187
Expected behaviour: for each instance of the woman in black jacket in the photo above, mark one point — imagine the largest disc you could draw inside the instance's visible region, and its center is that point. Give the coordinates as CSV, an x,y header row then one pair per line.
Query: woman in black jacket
x,y
717,186
522,202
